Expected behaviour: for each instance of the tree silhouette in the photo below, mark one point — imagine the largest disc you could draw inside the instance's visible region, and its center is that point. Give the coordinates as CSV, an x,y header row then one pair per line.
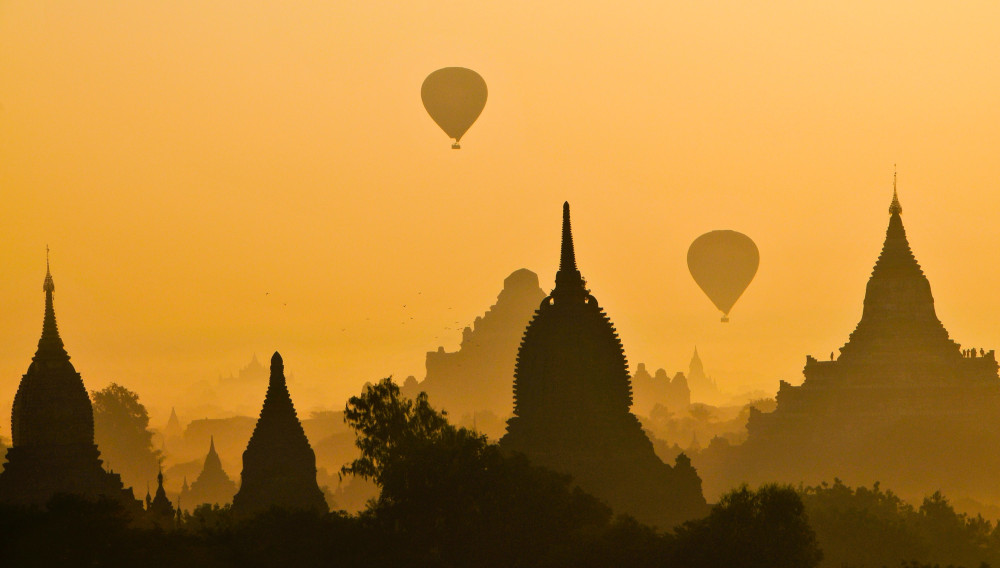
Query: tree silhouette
x,y
121,430
766,528
453,498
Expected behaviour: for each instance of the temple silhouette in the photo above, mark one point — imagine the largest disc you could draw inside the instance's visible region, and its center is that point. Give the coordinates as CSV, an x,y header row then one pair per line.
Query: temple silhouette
x,y
279,466
159,510
572,394
648,391
902,403
213,485
478,377
52,425
703,387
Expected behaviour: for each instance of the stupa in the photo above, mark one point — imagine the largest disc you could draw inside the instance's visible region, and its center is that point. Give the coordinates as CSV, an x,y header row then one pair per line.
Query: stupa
x,y
279,466
52,423
572,395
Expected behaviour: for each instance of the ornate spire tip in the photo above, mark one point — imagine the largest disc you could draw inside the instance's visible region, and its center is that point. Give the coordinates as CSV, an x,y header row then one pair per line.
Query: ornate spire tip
x,y
895,208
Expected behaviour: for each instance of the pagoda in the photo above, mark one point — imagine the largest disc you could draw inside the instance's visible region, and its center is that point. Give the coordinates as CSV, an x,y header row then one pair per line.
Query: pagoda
x,y
902,403
572,394
279,466
213,485
159,509
52,423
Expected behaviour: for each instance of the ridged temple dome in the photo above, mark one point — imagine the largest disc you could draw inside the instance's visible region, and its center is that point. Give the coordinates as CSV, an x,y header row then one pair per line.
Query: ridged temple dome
x,y
51,406
595,378
572,395
279,466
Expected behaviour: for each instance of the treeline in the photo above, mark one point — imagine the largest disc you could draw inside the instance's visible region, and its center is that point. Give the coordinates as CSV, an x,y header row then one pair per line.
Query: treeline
x,y
449,498
873,527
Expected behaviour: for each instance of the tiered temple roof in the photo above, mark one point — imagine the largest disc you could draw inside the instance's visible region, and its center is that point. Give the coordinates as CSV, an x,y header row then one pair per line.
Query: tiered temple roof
x,y
572,396
213,485
279,466
901,404
160,509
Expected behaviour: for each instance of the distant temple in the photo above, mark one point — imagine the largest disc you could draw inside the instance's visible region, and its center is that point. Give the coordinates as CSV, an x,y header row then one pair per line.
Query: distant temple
x,y
253,374
159,510
213,486
703,387
658,389
173,430
478,377
902,403
572,395
52,423
279,466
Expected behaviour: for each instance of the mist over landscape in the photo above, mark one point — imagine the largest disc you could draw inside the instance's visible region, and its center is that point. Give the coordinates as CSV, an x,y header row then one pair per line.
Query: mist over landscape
x,y
454,284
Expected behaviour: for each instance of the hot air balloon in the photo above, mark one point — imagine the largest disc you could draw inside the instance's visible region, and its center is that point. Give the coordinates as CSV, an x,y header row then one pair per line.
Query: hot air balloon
x,y
723,263
454,97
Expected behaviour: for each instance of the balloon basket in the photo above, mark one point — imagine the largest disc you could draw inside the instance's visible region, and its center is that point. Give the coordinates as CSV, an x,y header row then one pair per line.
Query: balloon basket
x,y
725,319
455,146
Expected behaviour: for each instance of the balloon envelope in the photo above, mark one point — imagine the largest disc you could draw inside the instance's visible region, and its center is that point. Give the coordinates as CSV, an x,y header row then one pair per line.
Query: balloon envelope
x,y
454,97
723,263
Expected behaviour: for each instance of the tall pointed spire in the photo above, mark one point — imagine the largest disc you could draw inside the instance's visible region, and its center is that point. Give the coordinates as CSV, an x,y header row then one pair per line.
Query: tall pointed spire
x,y
567,260
895,208
50,345
569,281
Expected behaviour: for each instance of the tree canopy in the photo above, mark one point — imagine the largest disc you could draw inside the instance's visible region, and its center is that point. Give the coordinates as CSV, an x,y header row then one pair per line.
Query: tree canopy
x,y
121,430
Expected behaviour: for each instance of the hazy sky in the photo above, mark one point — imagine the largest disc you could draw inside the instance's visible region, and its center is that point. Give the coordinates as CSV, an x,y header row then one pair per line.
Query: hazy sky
x,y
197,165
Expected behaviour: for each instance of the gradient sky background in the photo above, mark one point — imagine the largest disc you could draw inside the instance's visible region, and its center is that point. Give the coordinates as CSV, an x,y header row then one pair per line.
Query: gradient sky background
x,y
184,158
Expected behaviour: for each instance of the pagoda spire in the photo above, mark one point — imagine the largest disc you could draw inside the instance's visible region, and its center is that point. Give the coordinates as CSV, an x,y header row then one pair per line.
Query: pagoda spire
x,y
569,281
898,315
50,345
895,208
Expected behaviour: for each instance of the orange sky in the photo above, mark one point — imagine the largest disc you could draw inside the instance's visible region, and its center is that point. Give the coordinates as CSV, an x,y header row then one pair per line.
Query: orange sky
x,y
184,158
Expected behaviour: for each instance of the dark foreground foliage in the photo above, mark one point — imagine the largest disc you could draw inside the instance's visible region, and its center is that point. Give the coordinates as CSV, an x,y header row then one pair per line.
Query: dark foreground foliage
x,y
448,498
870,527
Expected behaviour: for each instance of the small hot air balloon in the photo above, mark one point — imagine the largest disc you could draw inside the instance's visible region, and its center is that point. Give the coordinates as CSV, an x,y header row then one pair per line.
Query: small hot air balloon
x,y
454,97
723,263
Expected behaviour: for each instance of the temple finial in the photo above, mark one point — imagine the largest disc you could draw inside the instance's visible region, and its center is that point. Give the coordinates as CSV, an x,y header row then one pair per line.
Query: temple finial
x,y
895,208
567,260
568,279
49,286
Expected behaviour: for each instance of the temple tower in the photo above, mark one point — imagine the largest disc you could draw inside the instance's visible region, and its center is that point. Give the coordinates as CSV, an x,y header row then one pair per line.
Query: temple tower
x,y
279,466
902,404
213,485
160,510
52,423
572,395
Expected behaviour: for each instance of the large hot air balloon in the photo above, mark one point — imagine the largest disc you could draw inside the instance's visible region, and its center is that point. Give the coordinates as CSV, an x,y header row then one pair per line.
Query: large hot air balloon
x,y
454,97
723,263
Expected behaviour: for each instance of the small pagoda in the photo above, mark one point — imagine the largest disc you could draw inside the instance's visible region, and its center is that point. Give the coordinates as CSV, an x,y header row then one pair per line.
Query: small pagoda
x,y
213,486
